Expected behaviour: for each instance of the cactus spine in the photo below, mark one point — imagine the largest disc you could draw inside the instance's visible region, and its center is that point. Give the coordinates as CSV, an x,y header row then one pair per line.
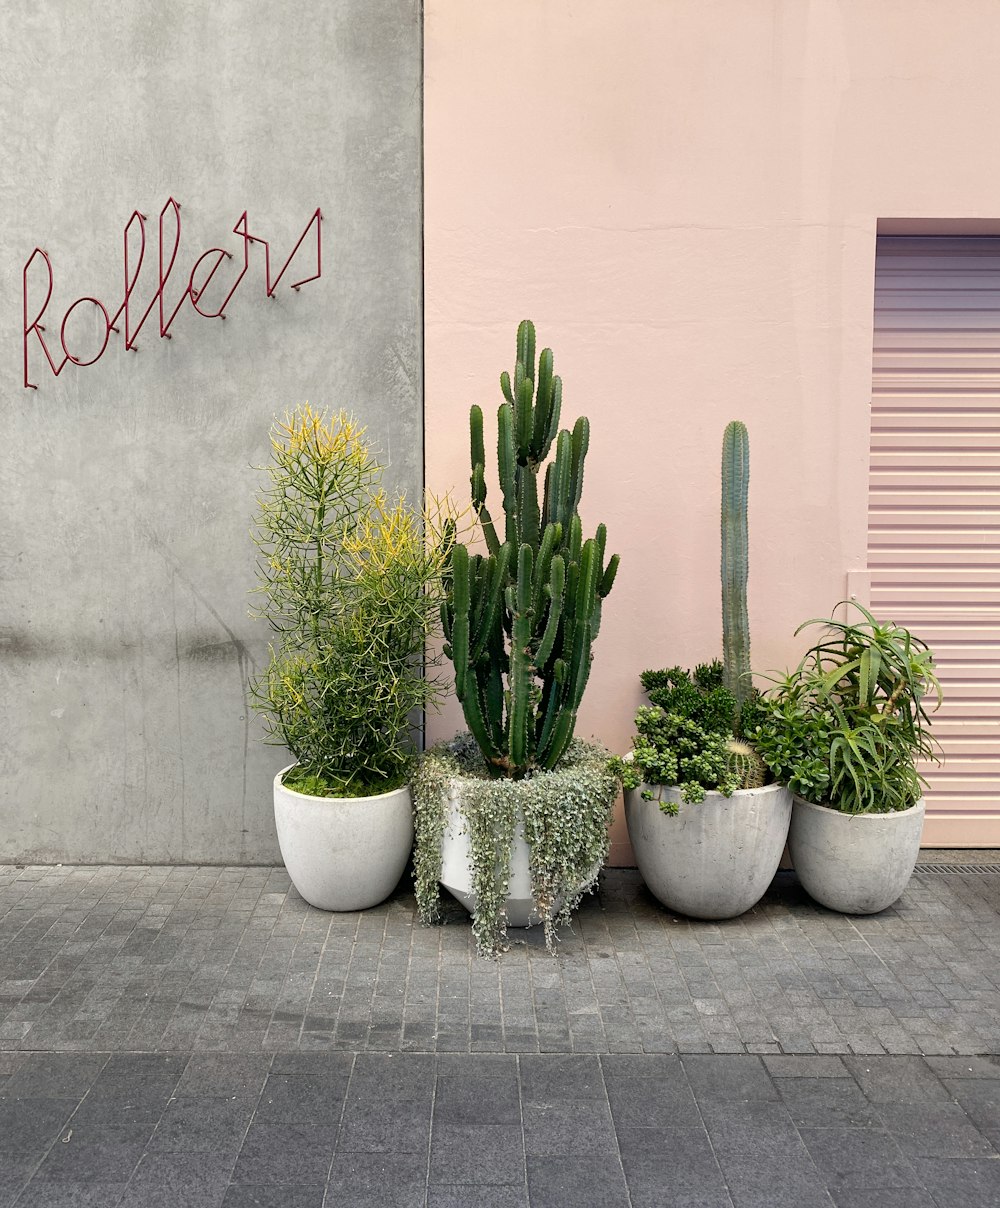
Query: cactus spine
x,y
521,619
735,622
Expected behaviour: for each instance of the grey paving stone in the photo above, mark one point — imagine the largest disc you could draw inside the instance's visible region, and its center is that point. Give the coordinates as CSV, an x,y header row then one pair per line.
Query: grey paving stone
x,y
934,1130
651,1102
960,1182
476,1197
728,1078
859,1158
679,1166
964,1067
285,1153
104,1155
896,1079
883,1197
546,1078
302,1099
369,1126
980,1099
29,1126
826,1102
56,1075
243,1195
477,1153
71,1195
359,1180
575,1182
805,1067
202,1124
462,1099
564,1127
167,1180
224,1075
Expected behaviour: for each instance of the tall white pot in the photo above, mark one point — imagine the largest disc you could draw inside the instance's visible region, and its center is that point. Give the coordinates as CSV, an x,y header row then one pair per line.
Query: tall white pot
x,y
343,853
854,863
713,859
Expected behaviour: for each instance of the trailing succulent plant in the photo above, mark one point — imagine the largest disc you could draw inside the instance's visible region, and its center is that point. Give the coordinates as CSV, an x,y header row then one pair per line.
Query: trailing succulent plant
x,y
520,619
566,814
692,733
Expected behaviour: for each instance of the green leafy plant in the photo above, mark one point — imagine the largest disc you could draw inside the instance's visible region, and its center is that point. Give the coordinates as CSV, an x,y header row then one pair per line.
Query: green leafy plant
x,y
351,583
693,734
847,727
566,814
520,619
685,737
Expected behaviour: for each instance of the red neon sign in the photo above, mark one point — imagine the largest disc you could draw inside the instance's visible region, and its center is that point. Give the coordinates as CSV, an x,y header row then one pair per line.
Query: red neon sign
x,y
134,252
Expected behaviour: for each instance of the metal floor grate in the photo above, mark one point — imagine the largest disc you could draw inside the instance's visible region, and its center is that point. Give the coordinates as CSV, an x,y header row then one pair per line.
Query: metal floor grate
x,y
967,869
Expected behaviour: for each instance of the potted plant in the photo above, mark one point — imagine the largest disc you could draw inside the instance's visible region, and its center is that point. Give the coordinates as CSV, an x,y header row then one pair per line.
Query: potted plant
x,y
513,817
707,828
845,731
351,583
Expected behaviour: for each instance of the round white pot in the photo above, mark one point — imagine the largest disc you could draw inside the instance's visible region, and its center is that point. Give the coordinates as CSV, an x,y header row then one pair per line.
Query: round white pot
x,y
854,863
456,867
343,853
714,859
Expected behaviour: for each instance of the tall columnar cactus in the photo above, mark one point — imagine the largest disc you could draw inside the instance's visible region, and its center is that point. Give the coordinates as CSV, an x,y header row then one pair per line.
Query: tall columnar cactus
x,y
735,623
521,619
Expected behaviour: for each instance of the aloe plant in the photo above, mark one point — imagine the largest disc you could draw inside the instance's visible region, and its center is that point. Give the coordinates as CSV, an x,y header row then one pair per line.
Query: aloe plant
x,y
520,620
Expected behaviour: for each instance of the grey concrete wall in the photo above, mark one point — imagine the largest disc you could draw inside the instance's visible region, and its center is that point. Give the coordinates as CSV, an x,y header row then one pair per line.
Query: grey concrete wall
x,y
127,487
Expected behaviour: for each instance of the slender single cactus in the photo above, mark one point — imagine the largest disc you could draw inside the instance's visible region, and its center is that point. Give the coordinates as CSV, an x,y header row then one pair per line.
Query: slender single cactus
x,y
735,622
521,619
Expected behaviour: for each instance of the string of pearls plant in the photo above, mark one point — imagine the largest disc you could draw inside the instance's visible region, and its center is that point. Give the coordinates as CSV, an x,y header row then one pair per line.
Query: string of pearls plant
x,y
566,814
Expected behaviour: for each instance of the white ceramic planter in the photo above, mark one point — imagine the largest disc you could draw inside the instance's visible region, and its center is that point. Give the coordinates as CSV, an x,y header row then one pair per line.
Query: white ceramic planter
x,y
456,867
854,863
343,853
714,859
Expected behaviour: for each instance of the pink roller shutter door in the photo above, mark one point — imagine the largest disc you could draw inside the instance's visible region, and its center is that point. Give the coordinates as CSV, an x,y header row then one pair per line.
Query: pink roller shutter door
x,y
934,502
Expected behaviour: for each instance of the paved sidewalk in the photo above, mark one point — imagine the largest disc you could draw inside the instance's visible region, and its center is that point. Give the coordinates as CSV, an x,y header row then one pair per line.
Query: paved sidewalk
x,y
200,1038
117,959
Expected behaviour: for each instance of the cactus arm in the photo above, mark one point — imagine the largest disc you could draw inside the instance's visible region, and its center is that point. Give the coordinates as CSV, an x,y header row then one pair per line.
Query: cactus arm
x,y
473,710
556,586
555,415
520,664
526,346
527,503
460,624
580,445
543,406
493,594
524,414
735,621
505,387
558,495
549,544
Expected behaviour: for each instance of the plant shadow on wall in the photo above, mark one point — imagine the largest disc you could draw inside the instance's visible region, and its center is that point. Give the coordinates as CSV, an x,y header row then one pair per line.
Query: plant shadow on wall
x,y
513,816
707,823
351,583
845,730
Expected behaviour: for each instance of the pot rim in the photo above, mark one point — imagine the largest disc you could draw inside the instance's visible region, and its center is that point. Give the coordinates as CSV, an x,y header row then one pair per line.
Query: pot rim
x,y
403,788
829,809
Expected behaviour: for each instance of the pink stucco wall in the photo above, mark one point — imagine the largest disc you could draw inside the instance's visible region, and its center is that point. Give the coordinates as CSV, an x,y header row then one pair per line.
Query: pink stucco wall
x,y
683,195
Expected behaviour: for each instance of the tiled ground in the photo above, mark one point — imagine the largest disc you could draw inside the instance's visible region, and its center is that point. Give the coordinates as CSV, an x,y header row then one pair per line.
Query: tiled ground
x,y
185,960
378,1130
199,1038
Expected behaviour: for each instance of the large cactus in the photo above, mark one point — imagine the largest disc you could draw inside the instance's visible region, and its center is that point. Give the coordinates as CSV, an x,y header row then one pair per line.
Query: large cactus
x,y
520,620
735,623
